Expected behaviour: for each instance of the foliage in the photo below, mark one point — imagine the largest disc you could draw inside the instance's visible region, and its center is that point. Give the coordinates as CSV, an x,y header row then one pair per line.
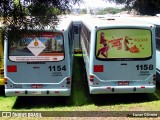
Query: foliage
x,y
144,7
23,15
109,10
26,14
83,11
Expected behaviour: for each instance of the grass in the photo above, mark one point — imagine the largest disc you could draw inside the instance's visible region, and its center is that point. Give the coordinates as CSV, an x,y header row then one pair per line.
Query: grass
x,y
81,100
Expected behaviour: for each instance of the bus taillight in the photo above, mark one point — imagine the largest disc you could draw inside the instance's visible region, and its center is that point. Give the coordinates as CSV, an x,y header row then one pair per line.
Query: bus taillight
x,y
98,68
91,79
154,77
12,68
68,80
5,80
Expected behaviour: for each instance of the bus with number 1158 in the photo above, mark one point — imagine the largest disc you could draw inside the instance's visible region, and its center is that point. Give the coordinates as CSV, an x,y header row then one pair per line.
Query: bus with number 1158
x,y
119,55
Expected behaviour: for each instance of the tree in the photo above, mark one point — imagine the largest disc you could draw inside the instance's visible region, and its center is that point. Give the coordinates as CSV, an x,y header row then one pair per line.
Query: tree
x,y
109,10
26,14
144,7
22,15
83,11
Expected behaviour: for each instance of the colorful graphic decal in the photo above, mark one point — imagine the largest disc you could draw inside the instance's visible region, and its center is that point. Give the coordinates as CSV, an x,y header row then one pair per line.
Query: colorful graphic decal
x,y
123,43
47,47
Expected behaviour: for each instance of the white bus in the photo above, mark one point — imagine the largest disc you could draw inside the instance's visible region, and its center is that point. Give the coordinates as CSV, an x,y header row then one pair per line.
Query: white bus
x,y
119,56
40,62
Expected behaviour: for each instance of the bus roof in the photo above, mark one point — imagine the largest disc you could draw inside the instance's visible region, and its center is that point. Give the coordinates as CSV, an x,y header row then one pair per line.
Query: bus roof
x,y
146,19
111,21
63,24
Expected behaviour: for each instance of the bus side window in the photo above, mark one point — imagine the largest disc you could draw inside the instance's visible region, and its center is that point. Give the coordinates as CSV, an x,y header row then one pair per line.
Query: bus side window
x,y
70,39
86,37
75,29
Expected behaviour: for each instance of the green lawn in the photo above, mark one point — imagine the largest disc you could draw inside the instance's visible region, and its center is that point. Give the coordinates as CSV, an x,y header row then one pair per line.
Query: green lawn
x,y
81,100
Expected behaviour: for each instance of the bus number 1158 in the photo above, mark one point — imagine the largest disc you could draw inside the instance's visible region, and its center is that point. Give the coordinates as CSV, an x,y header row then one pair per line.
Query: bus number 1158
x,y
145,67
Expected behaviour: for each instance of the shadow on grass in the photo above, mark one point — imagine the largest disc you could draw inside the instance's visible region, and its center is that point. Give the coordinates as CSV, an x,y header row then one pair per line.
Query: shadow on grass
x,y
113,99
38,102
158,79
80,95
2,93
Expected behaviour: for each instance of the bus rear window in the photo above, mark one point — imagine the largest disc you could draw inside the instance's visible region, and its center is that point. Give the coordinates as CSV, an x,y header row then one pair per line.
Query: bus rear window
x,y
45,46
123,44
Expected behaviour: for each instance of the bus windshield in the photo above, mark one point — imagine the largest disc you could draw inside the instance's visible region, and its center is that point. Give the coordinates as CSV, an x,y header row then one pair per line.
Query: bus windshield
x,y
45,46
123,44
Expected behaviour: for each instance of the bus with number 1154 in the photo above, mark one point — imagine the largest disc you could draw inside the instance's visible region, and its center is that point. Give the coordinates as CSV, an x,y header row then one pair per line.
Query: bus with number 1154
x,y
39,63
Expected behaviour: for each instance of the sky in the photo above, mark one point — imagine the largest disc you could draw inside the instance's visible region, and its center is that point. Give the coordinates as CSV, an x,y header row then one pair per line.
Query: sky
x,y
97,4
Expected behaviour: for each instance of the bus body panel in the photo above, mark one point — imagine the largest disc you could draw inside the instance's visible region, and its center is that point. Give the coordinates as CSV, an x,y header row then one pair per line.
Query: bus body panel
x,y
122,71
48,75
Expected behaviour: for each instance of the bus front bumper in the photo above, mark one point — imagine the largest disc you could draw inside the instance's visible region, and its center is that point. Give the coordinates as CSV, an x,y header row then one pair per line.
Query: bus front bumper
x,y
122,89
38,92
